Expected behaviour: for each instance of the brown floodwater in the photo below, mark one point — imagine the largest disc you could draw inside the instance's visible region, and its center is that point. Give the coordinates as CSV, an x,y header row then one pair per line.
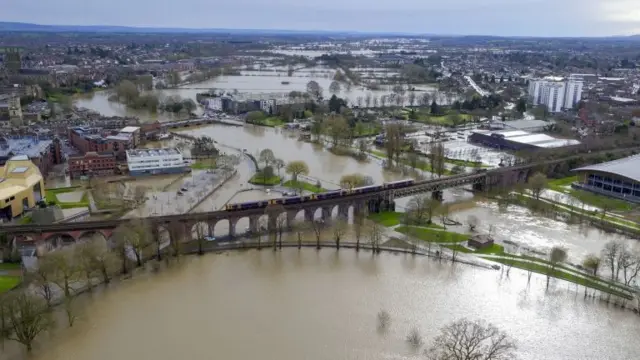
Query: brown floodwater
x,y
322,305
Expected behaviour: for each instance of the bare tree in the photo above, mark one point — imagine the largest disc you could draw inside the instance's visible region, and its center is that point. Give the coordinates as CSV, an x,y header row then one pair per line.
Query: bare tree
x,y
437,158
367,99
443,210
558,255
102,259
314,90
85,261
537,183
277,218
375,237
420,210
415,338
473,222
464,339
42,277
135,236
412,98
26,317
200,237
64,268
358,223
384,320
316,226
300,227
591,262
610,254
339,229
630,264
394,142
425,99
334,87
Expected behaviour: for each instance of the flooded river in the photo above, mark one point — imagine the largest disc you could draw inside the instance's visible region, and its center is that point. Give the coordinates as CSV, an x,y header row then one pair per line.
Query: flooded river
x,y
251,82
323,305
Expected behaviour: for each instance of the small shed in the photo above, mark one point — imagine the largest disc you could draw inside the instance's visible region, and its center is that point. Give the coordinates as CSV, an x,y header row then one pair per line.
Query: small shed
x,y
480,241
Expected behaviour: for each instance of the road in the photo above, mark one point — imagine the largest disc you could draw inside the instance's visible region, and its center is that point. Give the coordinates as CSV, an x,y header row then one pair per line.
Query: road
x,y
475,86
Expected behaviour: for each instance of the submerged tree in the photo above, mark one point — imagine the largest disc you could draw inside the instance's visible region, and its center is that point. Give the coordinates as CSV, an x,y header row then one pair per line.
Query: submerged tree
x,y
26,317
465,339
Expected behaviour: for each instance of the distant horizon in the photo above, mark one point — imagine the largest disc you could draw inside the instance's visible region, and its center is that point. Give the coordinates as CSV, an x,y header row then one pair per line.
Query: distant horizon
x,y
13,26
502,18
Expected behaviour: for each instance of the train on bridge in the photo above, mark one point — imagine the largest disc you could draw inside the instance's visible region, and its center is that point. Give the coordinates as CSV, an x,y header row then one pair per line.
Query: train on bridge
x,y
292,200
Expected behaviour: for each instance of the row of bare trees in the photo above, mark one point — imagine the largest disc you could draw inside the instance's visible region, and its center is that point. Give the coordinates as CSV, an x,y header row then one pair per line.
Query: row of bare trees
x,y
62,274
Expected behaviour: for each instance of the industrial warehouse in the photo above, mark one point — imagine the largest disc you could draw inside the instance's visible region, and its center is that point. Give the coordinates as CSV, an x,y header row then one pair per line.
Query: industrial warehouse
x,y
619,178
517,140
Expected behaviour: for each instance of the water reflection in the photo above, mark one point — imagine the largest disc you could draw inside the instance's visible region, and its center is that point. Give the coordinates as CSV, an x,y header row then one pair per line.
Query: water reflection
x,y
323,305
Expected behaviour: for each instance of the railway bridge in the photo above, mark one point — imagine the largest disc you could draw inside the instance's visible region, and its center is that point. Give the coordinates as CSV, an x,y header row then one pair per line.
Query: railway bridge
x,y
182,226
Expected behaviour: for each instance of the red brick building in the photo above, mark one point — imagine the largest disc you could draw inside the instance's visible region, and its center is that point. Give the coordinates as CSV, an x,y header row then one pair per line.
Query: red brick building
x,y
92,164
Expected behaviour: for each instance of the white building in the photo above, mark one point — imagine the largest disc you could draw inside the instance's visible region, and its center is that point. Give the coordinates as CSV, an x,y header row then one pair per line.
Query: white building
x,y
573,93
155,161
555,93
268,104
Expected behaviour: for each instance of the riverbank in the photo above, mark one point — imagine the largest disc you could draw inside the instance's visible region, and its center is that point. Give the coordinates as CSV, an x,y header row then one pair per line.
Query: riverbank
x,y
435,235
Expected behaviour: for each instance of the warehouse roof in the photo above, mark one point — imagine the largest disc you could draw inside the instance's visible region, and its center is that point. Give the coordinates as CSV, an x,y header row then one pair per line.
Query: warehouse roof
x,y
524,137
628,167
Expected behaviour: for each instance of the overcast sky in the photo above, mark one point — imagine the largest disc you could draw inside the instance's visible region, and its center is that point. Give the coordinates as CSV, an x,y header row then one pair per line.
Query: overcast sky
x,y
476,17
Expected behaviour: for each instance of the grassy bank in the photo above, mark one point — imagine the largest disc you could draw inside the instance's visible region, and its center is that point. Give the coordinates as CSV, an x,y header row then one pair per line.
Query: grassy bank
x,y
421,164
563,185
561,274
11,279
259,179
387,218
433,233
52,195
304,186
204,164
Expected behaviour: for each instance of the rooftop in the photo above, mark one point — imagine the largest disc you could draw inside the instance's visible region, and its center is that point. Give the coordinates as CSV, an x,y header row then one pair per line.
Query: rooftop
x,y
29,146
18,174
120,137
130,129
524,137
628,167
139,153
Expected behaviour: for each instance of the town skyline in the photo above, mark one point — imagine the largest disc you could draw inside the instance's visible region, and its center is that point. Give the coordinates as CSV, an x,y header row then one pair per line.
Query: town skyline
x,y
531,18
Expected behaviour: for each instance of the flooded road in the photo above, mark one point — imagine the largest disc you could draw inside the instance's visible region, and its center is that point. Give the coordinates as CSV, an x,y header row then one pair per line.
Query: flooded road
x,y
323,305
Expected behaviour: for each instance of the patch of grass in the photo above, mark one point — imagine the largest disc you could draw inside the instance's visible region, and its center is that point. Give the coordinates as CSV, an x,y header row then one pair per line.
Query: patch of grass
x,y
259,179
565,267
465,163
495,249
272,121
204,164
600,201
444,120
304,185
563,185
561,274
84,202
387,218
10,266
8,282
421,164
432,234
26,220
